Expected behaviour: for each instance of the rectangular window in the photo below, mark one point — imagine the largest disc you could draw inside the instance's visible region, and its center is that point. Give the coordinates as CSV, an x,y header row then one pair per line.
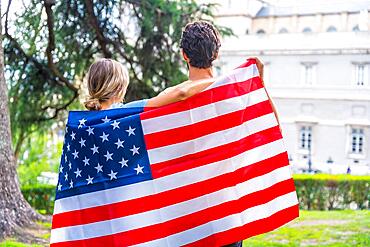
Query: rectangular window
x,y
308,73
357,140
305,137
360,74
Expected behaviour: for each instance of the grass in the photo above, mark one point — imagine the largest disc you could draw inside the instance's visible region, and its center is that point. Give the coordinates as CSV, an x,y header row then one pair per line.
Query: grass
x,y
12,243
345,228
319,228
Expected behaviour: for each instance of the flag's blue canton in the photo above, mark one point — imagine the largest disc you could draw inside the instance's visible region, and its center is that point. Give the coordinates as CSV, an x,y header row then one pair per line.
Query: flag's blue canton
x,y
102,149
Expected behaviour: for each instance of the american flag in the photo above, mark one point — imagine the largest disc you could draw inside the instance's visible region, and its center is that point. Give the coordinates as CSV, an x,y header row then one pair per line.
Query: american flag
x,y
207,171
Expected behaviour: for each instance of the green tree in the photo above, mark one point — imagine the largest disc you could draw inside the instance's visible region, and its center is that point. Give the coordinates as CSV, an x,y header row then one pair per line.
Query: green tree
x,y
52,43
14,210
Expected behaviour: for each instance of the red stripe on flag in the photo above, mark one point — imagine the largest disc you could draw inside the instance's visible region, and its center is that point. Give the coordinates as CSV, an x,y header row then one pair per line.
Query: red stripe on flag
x,y
186,222
193,131
215,154
251,229
206,97
147,203
247,63
145,234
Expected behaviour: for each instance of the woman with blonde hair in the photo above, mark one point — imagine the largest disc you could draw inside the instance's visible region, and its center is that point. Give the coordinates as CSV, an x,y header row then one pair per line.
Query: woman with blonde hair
x,y
107,82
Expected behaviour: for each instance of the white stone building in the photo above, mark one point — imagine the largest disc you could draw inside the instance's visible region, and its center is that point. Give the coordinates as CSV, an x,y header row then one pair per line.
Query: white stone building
x,y
317,59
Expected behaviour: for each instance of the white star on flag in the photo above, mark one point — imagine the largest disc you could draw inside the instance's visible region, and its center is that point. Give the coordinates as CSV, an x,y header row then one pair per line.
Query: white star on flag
x,y
82,142
78,173
95,149
75,154
82,123
108,156
68,147
89,180
90,130
104,137
71,184
119,143
99,168
70,165
130,131
115,124
106,119
134,150
66,177
73,135
61,169
59,187
112,175
123,162
65,158
139,169
86,161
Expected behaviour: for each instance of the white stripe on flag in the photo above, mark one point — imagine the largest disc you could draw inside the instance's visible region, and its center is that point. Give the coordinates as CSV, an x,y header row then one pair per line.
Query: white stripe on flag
x,y
212,140
226,223
236,75
173,181
202,113
174,211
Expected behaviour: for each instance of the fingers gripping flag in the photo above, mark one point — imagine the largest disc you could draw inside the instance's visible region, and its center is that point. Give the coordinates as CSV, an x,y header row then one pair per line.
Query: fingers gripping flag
x,y
206,171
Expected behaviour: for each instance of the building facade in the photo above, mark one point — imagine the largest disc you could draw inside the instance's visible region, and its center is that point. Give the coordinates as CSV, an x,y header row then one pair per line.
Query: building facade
x,y
317,62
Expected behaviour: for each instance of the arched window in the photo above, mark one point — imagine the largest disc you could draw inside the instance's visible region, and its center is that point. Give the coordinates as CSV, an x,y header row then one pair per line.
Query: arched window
x,y
356,28
307,30
283,30
261,32
331,29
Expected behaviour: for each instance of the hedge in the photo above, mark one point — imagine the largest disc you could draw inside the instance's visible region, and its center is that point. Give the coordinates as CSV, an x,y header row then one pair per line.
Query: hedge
x,y
328,192
315,192
40,197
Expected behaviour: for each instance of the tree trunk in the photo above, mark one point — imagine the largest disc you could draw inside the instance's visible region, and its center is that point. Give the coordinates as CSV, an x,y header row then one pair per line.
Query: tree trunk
x,y
15,212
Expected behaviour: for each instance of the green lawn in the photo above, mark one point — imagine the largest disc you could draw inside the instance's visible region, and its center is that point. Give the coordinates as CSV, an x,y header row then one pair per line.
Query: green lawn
x,y
10,243
313,228
319,228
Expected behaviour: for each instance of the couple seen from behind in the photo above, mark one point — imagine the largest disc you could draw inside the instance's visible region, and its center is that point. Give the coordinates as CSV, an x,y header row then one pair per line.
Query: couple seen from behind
x,y
107,79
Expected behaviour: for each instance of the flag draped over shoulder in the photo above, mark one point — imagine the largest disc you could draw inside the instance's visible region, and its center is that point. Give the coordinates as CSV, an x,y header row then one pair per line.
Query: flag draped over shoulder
x,y
206,171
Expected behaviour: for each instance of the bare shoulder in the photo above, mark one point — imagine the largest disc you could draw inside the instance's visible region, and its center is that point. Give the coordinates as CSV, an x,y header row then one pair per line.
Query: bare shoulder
x,y
174,88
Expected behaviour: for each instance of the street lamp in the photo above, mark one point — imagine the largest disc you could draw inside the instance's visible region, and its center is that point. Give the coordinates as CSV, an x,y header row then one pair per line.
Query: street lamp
x,y
309,156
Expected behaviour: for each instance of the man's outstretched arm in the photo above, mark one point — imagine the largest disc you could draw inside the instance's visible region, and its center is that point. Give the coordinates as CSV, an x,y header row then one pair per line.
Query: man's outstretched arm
x,y
179,92
188,89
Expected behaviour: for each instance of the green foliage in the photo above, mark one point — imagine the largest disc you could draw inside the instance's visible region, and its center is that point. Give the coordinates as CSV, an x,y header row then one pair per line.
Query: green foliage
x,y
41,153
327,192
40,197
36,93
51,44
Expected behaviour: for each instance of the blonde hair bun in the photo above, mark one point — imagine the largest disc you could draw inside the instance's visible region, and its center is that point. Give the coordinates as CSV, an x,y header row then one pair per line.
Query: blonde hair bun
x,y
93,104
106,79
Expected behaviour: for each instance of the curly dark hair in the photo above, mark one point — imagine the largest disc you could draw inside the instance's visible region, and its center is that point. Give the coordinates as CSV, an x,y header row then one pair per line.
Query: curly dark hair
x,y
200,42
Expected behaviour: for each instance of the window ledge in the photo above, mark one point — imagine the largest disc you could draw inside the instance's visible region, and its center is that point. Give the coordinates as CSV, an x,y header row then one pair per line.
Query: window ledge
x,y
356,156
